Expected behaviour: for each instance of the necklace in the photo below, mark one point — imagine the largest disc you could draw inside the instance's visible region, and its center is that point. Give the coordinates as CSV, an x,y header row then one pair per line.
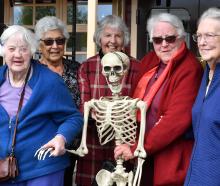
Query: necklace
x,y
211,73
20,84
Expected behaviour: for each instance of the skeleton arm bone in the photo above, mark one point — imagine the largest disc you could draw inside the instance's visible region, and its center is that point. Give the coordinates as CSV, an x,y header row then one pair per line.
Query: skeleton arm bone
x,y
140,152
83,150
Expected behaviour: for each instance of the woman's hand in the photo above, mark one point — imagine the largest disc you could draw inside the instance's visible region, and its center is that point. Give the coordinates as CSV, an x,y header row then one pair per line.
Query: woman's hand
x,y
58,145
124,151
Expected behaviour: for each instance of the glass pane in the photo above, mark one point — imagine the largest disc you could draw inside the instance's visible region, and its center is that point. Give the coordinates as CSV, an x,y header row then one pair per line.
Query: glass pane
x,y
23,15
45,11
104,10
18,2
81,13
45,1
80,57
81,42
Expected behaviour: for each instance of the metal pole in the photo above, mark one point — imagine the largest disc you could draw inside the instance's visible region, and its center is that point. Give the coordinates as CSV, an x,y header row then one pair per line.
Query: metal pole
x,y
2,25
74,4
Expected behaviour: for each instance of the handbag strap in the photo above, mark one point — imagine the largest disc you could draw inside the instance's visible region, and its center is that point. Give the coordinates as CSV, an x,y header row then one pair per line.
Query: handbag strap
x,y
19,109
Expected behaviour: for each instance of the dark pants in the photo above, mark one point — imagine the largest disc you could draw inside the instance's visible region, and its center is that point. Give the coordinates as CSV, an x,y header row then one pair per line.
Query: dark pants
x,y
68,175
147,172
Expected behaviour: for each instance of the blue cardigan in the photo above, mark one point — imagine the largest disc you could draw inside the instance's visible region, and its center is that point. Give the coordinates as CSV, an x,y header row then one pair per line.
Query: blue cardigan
x,y
204,168
49,111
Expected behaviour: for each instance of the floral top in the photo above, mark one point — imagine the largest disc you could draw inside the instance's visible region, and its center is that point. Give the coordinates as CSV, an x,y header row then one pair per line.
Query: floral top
x,y
70,77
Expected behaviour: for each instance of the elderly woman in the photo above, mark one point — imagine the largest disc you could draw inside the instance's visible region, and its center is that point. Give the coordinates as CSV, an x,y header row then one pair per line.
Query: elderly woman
x,y
48,117
111,35
52,34
205,160
169,80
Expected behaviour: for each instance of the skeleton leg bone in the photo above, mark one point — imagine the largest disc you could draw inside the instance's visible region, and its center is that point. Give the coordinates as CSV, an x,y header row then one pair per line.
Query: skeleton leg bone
x,y
137,177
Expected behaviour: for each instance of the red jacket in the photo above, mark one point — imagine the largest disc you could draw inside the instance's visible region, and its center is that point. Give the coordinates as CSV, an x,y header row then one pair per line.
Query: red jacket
x,y
166,142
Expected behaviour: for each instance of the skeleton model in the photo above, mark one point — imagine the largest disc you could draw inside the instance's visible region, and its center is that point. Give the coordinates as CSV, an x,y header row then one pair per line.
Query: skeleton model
x,y
115,120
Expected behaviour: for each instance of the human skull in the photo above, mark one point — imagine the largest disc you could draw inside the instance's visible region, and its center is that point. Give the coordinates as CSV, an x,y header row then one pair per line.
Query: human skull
x,y
114,67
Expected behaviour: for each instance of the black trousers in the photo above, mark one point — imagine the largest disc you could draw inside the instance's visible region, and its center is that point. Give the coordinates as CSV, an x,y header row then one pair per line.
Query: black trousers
x,y
68,174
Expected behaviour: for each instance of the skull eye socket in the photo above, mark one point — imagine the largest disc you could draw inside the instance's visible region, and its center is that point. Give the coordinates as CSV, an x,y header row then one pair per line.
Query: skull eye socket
x,y
117,69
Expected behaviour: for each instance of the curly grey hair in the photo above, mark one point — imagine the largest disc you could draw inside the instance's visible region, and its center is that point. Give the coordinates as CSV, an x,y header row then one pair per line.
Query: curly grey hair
x,y
49,23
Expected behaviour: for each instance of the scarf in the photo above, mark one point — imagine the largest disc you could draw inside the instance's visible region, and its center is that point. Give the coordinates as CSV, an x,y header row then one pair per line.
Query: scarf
x,y
144,80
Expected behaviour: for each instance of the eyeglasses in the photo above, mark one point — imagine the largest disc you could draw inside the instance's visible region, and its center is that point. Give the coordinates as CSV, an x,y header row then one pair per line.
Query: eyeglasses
x,y
207,37
168,39
49,42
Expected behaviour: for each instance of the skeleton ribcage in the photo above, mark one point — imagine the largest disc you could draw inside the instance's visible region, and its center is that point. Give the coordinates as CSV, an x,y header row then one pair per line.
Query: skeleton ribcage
x,y
116,119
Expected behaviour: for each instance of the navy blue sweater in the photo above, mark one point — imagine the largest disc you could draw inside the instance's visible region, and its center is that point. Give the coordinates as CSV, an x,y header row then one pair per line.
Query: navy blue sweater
x,y
49,111
204,168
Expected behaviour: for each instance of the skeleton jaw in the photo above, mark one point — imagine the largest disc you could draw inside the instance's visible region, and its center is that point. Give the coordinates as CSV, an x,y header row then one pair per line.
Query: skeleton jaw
x,y
116,89
115,84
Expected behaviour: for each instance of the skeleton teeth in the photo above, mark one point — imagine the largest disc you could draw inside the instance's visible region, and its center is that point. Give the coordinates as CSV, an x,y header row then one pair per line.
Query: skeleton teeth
x,y
113,79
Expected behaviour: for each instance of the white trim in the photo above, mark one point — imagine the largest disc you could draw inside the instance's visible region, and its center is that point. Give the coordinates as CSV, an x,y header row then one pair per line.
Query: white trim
x,y
91,26
133,43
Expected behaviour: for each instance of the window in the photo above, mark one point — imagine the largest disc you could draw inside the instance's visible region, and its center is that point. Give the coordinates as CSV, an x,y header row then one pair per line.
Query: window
x,y
27,12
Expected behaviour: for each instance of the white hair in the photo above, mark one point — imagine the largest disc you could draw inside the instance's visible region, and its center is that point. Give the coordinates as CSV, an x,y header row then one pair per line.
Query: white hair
x,y
165,17
211,13
27,36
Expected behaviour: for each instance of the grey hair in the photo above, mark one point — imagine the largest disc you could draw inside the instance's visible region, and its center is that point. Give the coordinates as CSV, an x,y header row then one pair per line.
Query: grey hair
x,y
112,21
165,17
27,35
49,23
211,13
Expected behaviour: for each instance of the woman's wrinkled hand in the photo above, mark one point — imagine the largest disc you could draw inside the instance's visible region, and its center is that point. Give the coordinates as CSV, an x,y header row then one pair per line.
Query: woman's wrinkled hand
x,y
124,151
57,144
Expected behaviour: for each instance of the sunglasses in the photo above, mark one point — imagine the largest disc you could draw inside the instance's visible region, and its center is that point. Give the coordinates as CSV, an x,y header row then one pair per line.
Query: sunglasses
x,y
49,42
168,39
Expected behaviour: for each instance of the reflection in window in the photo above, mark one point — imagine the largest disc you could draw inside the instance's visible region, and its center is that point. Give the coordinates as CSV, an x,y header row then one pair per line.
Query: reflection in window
x,y
42,11
81,13
104,10
17,2
80,57
81,42
23,15
45,1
